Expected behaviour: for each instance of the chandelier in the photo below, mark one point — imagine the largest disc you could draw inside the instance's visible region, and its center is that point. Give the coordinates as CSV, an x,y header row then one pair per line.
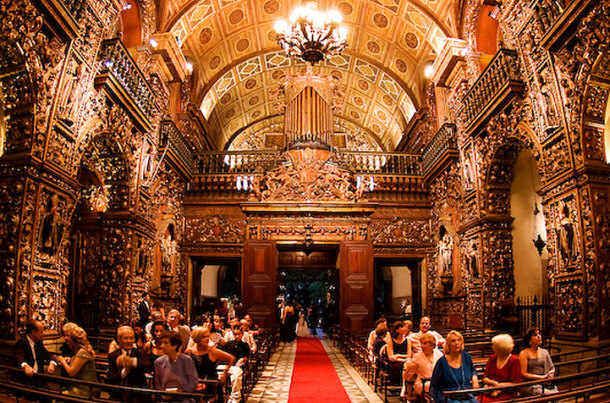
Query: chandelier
x,y
312,35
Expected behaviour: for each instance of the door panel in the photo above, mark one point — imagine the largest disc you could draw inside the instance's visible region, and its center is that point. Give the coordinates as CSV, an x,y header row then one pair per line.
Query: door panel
x,y
357,280
259,272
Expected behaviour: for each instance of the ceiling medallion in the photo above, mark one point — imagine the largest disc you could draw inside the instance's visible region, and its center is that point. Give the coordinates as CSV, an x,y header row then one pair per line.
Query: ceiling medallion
x,y
312,35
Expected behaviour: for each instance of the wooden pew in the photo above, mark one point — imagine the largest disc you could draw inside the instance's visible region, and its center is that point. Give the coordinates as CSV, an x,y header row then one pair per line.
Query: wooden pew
x,y
592,378
106,390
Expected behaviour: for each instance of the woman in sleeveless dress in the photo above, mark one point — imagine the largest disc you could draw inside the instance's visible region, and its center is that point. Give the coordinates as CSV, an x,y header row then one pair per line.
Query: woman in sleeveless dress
x,y
536,364
207,358
81,365
399,350
153,347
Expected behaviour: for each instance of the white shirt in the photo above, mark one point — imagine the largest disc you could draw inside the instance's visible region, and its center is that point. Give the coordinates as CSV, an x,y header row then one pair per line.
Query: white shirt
x,y
33,348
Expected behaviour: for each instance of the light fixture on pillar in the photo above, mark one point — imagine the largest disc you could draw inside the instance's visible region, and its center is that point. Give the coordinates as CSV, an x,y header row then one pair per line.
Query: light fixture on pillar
x,y
312,35
539,231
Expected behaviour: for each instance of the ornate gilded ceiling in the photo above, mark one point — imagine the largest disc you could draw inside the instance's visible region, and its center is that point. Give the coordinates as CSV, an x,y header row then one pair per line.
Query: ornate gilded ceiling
x,y
238,65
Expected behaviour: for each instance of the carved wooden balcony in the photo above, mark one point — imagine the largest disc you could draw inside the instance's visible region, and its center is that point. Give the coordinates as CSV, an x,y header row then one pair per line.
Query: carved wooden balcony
x,y
61,16
379,163
123,80
218,173
493,90
558,20
176,148
441,151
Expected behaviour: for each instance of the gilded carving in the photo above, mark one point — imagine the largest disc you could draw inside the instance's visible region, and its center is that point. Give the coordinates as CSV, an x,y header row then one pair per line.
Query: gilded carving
x,y
400,231
215,228
306,180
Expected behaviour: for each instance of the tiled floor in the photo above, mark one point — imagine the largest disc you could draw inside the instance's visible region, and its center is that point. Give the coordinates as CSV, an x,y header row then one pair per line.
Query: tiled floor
x,y
274,384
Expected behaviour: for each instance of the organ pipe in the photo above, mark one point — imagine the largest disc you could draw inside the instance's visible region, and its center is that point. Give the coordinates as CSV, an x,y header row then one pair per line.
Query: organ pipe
x,y
308,121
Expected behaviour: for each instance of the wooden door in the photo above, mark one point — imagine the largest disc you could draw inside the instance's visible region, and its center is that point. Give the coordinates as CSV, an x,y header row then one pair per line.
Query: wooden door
x,y
259,285
357,284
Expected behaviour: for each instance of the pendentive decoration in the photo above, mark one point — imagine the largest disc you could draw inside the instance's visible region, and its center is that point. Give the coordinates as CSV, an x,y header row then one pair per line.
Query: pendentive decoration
x,y
312,35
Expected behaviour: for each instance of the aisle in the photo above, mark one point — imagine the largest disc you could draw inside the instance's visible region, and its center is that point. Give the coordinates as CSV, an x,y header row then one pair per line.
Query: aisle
x,y
275,382
313,375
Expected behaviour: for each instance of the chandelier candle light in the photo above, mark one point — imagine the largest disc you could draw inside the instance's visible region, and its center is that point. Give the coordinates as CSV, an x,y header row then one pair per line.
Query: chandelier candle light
x,y
312,35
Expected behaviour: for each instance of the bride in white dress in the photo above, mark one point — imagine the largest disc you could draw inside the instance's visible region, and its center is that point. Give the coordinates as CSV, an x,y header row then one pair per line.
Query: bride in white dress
x,y
302,329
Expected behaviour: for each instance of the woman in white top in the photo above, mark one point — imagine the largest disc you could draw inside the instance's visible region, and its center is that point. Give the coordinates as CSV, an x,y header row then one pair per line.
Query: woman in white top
x,y
302,329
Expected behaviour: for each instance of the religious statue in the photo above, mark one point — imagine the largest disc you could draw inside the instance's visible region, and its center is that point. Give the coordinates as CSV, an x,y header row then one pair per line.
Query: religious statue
x,y
547,106
142,259
71,93
50,231
445,254
468,172
445,247
471,258
567,244
168,249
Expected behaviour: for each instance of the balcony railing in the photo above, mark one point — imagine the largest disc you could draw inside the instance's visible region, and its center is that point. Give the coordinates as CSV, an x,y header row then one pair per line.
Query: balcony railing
x,y
248,162
124,80
443,143
178,149
380,163
498,83
243,162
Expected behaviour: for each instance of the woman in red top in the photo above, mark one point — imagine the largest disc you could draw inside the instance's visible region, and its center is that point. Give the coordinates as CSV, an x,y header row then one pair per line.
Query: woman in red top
x,y
502,369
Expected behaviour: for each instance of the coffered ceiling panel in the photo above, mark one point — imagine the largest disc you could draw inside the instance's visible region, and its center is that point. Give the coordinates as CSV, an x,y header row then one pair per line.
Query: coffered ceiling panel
x,y
239,67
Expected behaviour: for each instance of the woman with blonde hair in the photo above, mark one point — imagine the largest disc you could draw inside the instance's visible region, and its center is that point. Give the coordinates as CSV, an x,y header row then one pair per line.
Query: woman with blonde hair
x,y
81,365
502,369
454,371
422,364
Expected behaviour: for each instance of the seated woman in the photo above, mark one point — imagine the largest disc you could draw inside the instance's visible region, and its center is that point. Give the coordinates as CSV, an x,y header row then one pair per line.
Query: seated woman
x,y
422,364
140,335
153,347
399,350
536,364
454,371
174,371
502,369
381,339
81,365
208,357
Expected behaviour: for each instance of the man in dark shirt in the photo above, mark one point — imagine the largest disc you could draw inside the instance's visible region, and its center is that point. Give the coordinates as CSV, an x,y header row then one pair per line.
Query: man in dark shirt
x,y
241,351
31,356
127,365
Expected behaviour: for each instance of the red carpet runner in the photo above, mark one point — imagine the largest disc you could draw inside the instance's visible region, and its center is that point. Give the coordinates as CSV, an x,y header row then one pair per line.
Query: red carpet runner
x,y
314,377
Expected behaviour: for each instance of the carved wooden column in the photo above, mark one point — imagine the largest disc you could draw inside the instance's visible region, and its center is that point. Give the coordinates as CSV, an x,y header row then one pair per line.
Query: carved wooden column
x,y
259,282
357,279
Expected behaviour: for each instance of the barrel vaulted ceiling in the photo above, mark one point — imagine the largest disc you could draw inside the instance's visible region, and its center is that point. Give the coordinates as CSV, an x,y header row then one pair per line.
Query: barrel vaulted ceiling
x,y
239,66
